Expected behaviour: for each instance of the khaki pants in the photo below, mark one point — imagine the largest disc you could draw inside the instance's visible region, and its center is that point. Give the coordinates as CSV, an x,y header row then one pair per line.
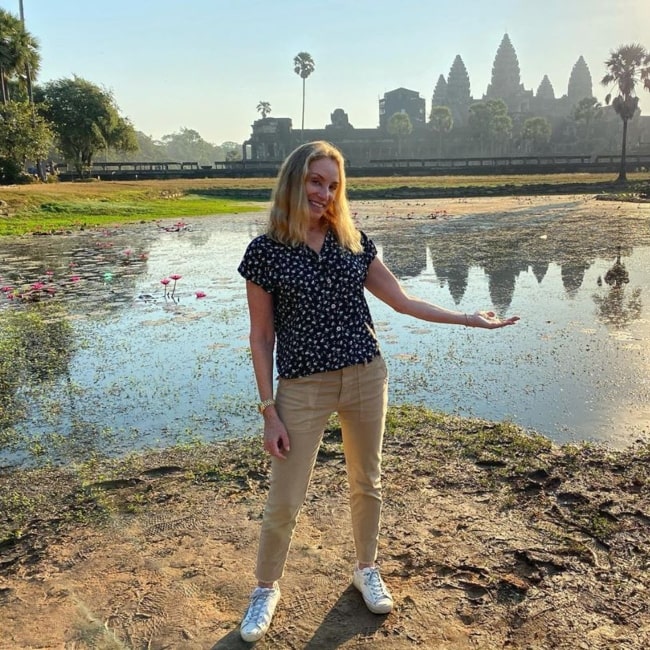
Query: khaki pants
x,y
359,394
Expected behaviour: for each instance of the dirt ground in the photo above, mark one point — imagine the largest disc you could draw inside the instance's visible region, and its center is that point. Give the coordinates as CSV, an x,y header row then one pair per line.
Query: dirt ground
x,y
491,539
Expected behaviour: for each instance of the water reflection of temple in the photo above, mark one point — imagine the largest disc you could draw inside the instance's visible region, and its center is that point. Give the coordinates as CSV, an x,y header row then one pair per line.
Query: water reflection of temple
x,y
573,275
403,260
503,255
455,277
408,261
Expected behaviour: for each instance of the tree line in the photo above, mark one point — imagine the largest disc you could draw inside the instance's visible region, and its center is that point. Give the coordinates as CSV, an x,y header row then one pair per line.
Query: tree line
x,y
72,120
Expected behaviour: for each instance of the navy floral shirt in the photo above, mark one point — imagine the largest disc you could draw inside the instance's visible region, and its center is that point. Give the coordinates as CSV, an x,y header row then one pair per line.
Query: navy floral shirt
x,y
321,317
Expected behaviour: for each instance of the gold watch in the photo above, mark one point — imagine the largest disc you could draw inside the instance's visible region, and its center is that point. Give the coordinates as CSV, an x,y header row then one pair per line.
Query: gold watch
x,y
262,406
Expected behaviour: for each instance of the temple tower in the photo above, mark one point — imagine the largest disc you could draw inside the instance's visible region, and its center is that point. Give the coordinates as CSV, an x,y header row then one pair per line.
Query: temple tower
x,y
506,79
580,85
545,102
440,95
458,91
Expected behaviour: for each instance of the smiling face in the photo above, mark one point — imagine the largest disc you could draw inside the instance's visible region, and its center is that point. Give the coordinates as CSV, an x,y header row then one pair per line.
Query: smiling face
x,y
321,185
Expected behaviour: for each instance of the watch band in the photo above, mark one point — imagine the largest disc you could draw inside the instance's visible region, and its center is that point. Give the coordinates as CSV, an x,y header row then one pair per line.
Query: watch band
x,y
262,406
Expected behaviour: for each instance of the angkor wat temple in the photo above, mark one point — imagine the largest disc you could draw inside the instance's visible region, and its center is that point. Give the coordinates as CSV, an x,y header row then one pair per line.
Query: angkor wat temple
x,y
576,124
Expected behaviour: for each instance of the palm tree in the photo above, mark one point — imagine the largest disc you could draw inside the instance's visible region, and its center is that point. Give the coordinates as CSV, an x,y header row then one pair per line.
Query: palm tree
x,y
264,108
19,57
303,65
628,65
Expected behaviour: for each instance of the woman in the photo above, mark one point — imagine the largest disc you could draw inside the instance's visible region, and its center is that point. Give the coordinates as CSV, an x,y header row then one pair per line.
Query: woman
x,y
305,281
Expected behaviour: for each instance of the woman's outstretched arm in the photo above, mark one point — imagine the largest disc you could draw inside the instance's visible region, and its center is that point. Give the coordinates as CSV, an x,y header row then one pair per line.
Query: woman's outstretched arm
x,y
385,286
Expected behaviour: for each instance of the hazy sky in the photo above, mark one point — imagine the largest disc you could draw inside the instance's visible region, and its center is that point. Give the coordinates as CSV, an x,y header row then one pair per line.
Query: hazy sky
x,y
206,64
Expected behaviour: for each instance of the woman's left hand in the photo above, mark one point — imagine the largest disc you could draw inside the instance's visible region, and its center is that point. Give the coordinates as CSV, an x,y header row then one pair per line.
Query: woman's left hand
x,y
489,320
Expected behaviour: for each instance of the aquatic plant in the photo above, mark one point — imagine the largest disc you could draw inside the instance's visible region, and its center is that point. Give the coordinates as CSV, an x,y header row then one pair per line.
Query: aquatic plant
x,y
175,277
35,347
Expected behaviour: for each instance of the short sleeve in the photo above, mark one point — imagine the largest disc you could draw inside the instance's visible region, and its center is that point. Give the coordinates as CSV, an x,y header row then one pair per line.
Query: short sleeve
x,y
255,264
369,248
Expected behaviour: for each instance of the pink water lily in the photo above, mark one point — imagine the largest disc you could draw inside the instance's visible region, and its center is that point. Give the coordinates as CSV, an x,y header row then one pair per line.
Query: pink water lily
x,y
175,277
200,294
165,282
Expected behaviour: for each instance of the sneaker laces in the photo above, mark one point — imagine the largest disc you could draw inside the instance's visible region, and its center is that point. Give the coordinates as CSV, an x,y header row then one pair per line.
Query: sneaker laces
x,y
257,604
373,581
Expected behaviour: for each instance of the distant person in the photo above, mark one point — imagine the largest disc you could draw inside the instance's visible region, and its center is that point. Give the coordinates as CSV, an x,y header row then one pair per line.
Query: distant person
x,y
305,281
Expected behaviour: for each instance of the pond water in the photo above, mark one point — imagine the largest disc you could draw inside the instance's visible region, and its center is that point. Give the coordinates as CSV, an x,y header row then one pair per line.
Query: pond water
x,y
140,364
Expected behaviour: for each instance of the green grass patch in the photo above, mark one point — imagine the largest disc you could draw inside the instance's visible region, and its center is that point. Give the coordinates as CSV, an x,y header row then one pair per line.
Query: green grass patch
x,y
57,215
503,446
90,208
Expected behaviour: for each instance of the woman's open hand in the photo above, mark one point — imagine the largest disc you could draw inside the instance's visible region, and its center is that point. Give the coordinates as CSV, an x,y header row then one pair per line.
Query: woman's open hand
x,y
489,320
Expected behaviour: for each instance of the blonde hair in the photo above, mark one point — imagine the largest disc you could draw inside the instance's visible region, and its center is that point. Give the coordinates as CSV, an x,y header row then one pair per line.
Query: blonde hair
x,y
289,216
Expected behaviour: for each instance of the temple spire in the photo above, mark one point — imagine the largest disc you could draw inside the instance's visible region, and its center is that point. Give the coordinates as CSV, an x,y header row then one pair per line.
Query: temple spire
x,y
440,96
580,85
545,90
458,91
506,80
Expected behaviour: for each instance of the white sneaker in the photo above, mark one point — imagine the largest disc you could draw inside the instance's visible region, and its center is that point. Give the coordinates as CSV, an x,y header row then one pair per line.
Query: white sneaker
x,y
375,593
260,612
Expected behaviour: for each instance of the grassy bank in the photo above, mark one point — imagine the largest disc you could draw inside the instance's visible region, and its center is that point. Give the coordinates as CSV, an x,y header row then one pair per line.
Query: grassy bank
x,y
63,206
68,206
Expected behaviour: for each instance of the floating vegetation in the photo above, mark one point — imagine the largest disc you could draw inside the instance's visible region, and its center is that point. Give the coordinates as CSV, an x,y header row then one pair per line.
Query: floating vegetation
x,y
89,208
36,344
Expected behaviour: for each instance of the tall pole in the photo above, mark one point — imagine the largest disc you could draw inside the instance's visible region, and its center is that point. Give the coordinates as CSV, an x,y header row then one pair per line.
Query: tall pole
x,y
302,123
28,74
30,94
